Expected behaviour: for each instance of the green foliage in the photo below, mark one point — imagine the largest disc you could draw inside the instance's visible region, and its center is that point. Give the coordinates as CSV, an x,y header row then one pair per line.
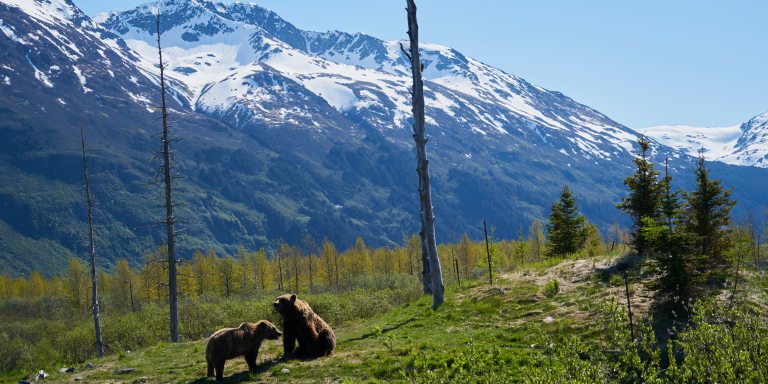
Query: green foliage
x,y
29,344
724,345
552,288
467,365
644,195
708,213
687,244
680,274
536,241
567,228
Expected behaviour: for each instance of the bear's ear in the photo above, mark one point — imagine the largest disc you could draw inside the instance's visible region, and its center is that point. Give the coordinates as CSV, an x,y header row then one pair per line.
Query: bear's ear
x,y
293,298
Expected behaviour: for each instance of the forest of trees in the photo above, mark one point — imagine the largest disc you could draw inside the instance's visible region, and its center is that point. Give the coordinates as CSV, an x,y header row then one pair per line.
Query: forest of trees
x,y
307,268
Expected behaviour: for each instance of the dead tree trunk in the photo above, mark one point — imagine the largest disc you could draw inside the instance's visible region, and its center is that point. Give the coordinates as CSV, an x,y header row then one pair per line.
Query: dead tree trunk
x,y
426,277
92,250
169,218
488,253
739,251
420,137
623,268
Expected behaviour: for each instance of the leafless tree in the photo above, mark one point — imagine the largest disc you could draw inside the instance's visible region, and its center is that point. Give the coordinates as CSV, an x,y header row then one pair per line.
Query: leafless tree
x,y
168,180
92,250
432,262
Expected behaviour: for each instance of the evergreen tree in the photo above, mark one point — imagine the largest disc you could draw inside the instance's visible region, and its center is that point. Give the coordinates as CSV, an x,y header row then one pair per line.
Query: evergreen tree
x,y
670,248
567,228
644,195
708,213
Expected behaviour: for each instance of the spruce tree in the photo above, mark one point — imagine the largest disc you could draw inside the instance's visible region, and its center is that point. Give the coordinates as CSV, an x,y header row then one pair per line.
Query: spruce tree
x,y
708,213
670,249
567,228
644,195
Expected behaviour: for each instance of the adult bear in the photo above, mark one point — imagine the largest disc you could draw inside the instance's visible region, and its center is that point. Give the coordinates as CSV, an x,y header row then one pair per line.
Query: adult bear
x,y
300,323
229,343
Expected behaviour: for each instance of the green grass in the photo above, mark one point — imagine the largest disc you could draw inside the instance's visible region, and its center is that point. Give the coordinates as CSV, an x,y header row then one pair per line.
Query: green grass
x,y
504,322
508,315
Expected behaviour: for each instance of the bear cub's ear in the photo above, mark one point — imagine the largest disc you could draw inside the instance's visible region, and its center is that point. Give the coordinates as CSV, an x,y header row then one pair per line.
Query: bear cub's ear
x,y
293,298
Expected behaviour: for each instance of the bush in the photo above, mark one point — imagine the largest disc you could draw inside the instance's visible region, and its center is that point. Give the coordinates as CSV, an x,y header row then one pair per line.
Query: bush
x,y
552,288
723,345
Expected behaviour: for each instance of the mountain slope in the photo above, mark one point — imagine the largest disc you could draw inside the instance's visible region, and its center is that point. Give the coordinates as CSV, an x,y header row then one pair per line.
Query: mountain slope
x,y
284,133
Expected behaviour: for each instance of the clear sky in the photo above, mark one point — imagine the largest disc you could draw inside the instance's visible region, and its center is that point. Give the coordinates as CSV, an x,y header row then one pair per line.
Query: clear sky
x,y
642,63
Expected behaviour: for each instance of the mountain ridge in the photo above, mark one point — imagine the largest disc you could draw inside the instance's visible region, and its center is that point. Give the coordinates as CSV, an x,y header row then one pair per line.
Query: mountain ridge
x,y
278,142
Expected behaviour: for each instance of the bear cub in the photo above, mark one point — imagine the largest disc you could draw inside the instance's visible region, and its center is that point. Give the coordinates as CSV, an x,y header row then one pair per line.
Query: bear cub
x,y
302,325
229,343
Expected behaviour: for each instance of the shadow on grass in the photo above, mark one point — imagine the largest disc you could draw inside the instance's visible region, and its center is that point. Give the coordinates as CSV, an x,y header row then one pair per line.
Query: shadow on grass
x,y
241,377
629,261
383,330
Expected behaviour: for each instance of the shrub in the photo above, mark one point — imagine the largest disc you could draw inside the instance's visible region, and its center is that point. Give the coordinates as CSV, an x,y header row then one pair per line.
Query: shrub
x,y
552,288
723,345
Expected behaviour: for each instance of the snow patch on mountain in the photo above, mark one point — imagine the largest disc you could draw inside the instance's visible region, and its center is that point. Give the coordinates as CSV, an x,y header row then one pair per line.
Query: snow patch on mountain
x,y
40,75
82,79
9,32
50,11
337,95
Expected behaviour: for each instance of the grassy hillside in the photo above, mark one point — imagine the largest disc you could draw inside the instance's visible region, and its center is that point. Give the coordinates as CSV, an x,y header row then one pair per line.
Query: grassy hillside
x,y
510,326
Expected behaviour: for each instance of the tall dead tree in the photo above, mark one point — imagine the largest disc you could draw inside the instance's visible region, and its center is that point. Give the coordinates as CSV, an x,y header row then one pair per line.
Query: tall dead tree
x,y
92,250
488,253
426,276
168,180
432,264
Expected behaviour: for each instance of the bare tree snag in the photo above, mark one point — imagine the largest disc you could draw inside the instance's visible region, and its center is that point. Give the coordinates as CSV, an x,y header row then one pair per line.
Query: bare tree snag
x,y
420,137
426,277
622,267
92,250
488,253
169,218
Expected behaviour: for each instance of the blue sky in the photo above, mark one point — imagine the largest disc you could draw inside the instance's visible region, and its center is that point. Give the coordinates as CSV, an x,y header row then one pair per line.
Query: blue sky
x,y
641,63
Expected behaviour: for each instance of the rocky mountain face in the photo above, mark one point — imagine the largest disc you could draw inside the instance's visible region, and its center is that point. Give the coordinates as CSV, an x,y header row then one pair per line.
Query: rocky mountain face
x,y
282,133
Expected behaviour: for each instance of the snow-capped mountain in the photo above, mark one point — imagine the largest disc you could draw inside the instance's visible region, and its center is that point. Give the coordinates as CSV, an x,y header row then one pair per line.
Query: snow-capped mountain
x,y
745,144
218,51
715,141
284,133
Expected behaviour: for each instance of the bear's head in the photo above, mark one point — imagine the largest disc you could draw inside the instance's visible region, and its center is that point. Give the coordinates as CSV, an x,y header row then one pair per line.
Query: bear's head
x,y
260,331
269,330
285,304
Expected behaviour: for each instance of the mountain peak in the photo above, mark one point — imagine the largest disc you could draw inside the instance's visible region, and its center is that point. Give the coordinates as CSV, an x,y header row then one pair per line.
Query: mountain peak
x,y
49,11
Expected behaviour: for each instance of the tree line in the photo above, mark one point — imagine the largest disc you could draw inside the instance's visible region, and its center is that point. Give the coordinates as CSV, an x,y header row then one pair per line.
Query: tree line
x,y
307,268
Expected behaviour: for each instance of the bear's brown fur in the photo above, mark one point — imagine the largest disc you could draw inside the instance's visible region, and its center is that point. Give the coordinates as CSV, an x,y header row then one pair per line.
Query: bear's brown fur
x,y
229,343
300,323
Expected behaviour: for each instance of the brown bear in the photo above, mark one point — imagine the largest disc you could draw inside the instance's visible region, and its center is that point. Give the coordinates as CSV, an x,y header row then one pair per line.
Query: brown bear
x,y
301,324
244,340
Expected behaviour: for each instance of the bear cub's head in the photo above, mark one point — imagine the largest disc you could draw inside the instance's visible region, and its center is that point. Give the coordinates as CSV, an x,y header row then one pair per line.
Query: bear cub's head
x,y
285,304
262,330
